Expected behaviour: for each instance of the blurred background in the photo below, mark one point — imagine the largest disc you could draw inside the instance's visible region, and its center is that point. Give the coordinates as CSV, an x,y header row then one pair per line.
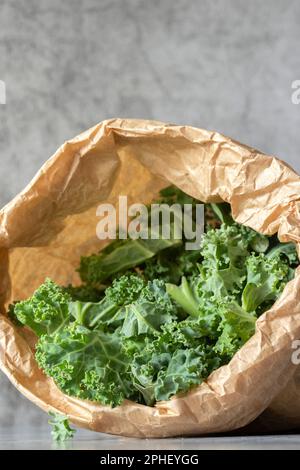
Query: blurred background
x,y
224,65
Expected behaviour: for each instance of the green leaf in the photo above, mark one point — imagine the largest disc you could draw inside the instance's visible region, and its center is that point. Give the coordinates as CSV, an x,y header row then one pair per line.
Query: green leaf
x,y
260,243
186,368
61,430
236,327
84,293
227,246
223,212
92,314
287,249
46,311
124,290
141,318
172,363
185,296
266,278
127,254
152,309
85,364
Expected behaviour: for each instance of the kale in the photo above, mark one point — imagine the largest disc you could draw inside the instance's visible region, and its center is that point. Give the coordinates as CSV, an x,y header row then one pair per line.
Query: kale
x,y
151,319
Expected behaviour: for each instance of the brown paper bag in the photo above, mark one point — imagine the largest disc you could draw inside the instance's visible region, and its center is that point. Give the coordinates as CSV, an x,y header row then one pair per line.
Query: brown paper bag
x,y
47,227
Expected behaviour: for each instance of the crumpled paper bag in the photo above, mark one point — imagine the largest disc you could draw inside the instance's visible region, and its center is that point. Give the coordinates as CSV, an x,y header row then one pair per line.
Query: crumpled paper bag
x,y
47,227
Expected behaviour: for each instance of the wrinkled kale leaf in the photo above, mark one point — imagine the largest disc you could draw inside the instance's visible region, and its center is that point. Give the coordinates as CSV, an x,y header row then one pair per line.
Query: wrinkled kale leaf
x,y
61,430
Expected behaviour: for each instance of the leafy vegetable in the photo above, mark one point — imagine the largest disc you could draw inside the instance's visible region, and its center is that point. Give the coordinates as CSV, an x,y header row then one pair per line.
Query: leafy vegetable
x,y
85,364
177,359
287,249
125,289
223,212
236,327
46,311
151,319
185,296
151,310
61,430
266,278
84,293
127,253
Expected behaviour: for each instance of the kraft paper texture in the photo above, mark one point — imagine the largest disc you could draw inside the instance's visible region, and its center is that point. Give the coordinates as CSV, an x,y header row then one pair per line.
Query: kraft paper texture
x,y
49,225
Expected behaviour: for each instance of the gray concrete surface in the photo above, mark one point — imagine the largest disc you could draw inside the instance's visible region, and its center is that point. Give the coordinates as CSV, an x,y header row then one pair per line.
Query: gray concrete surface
x,y
226,65
108,443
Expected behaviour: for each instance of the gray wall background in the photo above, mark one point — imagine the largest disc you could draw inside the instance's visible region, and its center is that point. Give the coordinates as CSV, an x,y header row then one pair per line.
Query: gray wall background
x,y
225,65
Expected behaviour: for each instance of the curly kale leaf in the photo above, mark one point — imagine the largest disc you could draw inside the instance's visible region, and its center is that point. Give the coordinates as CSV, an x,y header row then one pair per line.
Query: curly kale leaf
x,y
224,247
225,251
223,212
236,327
186,367
86,364
266,279
223,269
124,290
170,265
91,314
173,362
12,314
149,312
288,250
46,311
220,319
164,375
258,242
186,296
84,293
164,266
131,304
123,255
61,430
